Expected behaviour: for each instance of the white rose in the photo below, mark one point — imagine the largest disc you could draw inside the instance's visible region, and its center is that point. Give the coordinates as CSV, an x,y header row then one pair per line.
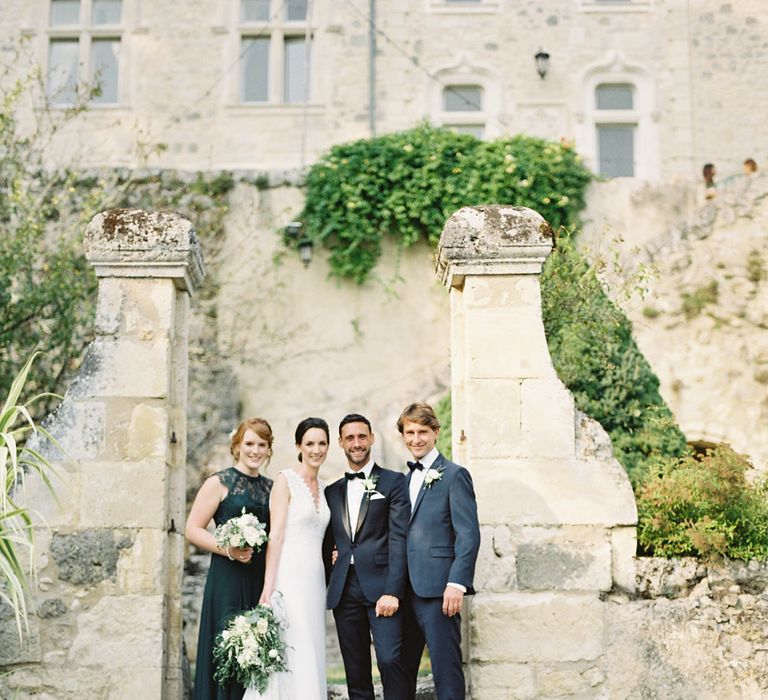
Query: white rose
x,y
251,534
273,653
262,626
234,541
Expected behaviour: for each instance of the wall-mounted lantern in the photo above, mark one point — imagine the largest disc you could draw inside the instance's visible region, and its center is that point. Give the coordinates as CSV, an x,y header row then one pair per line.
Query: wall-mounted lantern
x,y
542,63
296,238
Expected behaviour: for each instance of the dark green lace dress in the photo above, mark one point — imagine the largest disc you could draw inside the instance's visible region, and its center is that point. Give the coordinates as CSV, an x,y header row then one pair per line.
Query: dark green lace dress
x,y
231,586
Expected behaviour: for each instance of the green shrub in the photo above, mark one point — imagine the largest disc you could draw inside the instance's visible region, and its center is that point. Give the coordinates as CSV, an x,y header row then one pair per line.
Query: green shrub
x,y
693,303
755,267
651,312
408,183
704,506
590,342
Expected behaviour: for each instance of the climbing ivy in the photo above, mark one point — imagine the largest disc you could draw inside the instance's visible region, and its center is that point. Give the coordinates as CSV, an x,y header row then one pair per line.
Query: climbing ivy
x,y
405,185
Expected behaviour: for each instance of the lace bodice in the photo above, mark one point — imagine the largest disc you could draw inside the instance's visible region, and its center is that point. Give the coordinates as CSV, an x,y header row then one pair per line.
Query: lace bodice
x,y
243,491
305,516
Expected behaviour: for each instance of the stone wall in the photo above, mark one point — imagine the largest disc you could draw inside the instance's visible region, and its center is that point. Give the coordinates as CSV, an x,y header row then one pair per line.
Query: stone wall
x,y
693,630
108,617
696,65
702,324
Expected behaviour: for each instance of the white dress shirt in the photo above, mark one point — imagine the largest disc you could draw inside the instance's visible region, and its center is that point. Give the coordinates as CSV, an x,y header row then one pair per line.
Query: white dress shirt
x,y
355,492
417,481
417,475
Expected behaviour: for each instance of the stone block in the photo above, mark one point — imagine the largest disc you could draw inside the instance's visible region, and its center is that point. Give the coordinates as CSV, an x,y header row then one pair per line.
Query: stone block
x,y
147,433
623,552
148,307
111,491
15,649
87,557
507,346
547,419
124,367
568,558
496,568
77,427
569,680
557,492
502,291
122,632
536,627
143,568
502,681
496,432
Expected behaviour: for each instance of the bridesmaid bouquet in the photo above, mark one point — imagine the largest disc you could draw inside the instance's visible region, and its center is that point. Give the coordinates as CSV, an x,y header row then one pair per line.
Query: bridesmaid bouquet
x,y
250,649
243,531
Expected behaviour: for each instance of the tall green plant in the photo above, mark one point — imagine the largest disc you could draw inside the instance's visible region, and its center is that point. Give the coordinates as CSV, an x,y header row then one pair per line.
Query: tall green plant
x,y
591,345
47,288
16,461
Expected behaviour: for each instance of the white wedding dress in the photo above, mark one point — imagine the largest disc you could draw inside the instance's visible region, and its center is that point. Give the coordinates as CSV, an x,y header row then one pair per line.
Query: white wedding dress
x,y
301,583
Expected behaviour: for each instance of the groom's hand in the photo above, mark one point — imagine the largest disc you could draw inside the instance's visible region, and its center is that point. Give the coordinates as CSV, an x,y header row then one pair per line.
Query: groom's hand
x,y
453,599
386,606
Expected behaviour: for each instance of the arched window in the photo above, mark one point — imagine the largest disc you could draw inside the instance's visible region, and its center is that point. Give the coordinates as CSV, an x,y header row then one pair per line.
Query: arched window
x,y
616,127
463,110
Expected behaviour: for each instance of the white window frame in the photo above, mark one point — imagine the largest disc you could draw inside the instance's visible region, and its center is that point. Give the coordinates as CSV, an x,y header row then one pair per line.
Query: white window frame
x,y
465,73
484,7
277,29
615,6
614,70
84,33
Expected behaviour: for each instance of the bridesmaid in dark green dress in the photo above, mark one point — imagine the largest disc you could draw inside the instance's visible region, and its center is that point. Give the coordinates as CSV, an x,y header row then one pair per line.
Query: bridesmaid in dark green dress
x,y
236,575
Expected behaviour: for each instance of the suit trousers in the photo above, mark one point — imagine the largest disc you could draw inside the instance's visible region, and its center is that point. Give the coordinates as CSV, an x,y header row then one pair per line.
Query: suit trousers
x,y
356,621
424,622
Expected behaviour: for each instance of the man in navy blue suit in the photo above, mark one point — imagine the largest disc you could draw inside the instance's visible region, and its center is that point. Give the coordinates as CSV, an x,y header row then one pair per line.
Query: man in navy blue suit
x,y
369,515
442,543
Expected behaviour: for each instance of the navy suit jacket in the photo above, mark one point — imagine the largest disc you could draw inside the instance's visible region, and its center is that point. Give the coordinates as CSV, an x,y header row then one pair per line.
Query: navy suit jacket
x,y
379,543
443,533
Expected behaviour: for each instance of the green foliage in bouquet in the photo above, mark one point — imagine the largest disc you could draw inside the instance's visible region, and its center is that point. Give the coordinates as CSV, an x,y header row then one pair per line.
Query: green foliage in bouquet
x,y
407,184
250,649
590,342
704,506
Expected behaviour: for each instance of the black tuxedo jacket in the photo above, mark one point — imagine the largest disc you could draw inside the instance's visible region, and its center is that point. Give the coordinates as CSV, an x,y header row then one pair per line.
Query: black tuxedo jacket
x,y
379,542
443,532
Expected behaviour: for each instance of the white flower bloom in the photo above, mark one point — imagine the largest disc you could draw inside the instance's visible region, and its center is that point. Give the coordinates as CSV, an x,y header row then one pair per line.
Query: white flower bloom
x,y
232,433
432,476
251,535
273,654
262,626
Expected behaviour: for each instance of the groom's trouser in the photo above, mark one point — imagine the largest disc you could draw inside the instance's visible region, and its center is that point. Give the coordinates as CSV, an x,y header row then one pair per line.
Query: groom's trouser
x,y
356,620
424,621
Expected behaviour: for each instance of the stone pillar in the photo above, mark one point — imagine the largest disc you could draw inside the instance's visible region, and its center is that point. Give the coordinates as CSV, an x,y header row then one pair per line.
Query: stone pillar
x,y
557,512
108,602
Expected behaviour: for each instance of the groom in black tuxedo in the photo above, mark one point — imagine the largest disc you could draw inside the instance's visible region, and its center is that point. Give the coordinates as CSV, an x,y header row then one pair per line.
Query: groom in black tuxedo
x,y
443,543
369,515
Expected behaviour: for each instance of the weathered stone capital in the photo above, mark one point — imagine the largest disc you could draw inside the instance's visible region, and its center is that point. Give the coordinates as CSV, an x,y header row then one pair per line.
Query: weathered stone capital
x,y
137,243
492,240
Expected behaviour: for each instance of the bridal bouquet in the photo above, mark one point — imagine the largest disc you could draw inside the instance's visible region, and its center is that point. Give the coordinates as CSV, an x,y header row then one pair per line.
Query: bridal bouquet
x,y
243,531
250,649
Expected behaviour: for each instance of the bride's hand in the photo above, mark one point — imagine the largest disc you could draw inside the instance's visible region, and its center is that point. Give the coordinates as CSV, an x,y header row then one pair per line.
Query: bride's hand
x,y
241,554
266,594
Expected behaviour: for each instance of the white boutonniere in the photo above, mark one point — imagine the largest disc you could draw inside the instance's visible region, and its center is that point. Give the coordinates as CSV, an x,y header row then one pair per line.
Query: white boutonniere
x,y
431,477
369,485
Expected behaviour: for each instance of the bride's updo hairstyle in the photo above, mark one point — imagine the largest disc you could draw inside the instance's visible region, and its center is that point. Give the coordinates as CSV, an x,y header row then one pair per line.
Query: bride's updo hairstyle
x,y
308,424
259,426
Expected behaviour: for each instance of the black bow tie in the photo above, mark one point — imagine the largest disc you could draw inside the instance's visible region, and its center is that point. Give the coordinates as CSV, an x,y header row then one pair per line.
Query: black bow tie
x,y
354,475
415,465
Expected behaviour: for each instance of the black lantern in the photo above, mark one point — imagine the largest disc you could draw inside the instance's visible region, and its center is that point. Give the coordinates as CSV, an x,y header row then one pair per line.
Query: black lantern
x,y
542,63
296,238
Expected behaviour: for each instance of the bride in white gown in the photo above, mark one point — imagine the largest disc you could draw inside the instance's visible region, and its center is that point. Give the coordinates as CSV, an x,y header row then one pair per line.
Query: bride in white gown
x,y
294,583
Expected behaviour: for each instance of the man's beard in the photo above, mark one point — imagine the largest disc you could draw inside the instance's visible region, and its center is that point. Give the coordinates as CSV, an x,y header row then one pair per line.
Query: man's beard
x,y
362,458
